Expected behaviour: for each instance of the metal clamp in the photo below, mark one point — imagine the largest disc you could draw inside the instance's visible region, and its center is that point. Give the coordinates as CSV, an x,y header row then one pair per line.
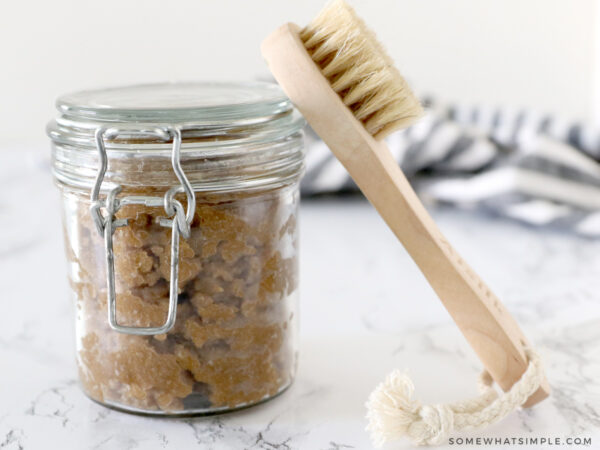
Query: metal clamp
x,y
106,225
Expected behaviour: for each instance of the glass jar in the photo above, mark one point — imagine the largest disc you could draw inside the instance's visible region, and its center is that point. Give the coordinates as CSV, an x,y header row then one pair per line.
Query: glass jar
x,y
179,210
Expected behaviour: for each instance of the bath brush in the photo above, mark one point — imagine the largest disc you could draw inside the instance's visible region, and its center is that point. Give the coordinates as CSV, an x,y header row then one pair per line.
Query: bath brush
x,y
346,86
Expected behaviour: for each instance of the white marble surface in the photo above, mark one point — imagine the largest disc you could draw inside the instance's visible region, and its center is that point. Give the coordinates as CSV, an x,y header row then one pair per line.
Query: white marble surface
x,y
365,310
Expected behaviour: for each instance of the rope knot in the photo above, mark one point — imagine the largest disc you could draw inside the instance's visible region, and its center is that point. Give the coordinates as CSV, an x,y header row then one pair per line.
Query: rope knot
x,y
393,411
434,424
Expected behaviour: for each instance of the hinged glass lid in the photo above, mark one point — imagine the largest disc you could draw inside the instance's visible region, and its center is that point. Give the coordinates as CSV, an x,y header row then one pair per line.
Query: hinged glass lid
x,y
214,111
175,102
232,135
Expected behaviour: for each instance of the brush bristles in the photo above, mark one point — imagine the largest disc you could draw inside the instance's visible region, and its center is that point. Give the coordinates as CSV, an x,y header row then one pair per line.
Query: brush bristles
x,y
359,70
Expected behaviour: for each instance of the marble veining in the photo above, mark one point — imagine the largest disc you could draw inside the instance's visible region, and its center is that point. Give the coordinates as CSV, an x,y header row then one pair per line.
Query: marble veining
x,y
365,310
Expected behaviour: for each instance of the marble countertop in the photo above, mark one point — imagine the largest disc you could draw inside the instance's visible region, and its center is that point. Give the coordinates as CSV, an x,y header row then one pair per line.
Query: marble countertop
x,y
365,310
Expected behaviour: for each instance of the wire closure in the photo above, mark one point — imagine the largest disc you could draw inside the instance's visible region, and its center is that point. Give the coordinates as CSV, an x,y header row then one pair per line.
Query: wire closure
x,y
106,224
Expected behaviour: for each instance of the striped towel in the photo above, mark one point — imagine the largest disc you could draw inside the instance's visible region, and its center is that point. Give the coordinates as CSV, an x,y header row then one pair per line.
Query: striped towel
x,y
531,168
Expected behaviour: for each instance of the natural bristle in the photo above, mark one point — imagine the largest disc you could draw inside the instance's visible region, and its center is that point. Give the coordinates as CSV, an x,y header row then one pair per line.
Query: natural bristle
x,y
359,70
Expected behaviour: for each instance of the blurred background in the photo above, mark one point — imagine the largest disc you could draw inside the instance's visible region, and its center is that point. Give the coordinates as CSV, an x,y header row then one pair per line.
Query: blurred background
x,y
538,54
512,87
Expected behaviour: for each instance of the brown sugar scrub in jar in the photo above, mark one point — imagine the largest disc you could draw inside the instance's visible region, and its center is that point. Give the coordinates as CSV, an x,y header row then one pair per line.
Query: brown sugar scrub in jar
x,y
179,211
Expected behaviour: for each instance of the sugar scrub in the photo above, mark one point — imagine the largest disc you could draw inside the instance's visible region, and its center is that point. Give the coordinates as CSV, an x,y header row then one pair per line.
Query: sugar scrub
x,y
232,340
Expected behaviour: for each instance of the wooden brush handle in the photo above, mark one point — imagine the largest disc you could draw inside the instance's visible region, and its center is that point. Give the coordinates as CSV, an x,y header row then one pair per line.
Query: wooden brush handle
x,y
487,325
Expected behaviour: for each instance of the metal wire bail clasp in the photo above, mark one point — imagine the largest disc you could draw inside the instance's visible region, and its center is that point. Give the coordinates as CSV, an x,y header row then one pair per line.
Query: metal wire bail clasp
x,y
106,224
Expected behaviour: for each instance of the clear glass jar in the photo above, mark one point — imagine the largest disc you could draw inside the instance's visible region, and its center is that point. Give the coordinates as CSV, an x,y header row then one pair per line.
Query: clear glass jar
x,y
185,281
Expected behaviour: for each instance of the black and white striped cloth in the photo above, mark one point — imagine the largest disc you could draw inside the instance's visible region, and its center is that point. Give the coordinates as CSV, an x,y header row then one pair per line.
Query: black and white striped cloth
x,y
531,168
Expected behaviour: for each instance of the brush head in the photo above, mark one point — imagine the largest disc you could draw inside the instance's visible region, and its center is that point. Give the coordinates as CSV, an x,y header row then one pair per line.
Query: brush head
x,y
359,70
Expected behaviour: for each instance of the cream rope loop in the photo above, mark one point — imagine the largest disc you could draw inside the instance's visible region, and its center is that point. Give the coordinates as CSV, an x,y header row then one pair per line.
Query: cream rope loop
x,y
393,412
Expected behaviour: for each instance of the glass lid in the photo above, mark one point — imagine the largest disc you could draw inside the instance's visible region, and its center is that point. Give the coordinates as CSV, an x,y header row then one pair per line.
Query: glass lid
x,y
234,135
185,101
209,111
